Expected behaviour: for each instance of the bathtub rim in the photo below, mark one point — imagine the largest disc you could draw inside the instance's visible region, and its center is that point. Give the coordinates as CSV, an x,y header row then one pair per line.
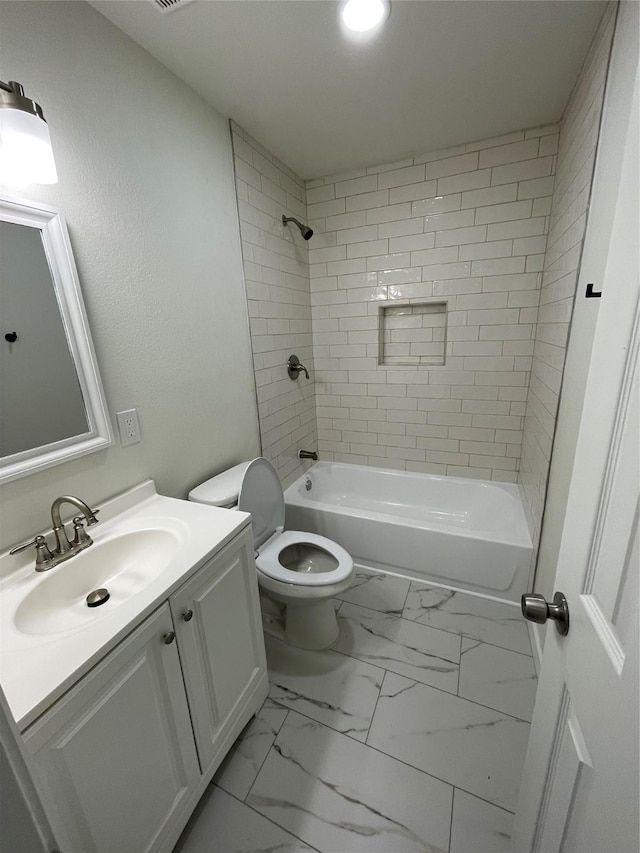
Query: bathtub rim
x,y
294,496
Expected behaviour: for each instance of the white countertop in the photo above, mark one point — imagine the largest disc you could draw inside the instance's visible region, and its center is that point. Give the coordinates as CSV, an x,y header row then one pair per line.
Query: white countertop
x,y
35,670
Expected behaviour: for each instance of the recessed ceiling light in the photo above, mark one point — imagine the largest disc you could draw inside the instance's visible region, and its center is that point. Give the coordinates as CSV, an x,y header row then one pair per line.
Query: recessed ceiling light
x,y
363,15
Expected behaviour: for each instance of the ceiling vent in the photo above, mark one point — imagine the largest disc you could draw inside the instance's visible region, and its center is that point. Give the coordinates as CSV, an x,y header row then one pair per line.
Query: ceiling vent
x,y
166,6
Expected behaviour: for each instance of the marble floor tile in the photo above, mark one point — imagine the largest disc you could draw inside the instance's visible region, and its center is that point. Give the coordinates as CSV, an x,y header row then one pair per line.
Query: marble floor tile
x,y
239,769
385,593
222,824
490,621
479,827
341,796
498,678
417,651
474,748
329,687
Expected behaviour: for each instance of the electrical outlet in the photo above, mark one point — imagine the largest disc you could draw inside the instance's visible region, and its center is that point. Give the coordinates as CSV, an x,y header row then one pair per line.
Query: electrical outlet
x,y
128,427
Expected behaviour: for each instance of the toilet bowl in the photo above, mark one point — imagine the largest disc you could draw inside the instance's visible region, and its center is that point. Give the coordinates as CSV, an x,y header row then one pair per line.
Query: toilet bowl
x,y
303,571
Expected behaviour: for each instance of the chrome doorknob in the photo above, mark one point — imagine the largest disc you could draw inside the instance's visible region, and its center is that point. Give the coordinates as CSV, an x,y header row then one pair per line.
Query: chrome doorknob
x,y
535,608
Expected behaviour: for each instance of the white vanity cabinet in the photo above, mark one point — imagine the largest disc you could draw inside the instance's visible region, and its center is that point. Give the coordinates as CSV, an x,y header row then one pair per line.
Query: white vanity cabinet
x,y
219,629
126,753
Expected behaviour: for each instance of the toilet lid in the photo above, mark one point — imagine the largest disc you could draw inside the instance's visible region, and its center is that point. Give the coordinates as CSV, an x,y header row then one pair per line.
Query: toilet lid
x,y
261,495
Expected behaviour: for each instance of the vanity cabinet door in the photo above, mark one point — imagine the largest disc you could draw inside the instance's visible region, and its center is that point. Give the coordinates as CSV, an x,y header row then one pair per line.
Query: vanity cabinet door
x,y
219,628
116,754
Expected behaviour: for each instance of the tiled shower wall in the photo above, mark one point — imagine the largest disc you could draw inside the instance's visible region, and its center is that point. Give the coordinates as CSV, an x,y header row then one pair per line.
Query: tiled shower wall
x,y
576,157
277,281
466,226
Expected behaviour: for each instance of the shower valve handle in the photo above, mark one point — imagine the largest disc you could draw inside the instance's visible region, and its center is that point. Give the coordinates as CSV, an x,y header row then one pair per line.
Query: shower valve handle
x,y
294,367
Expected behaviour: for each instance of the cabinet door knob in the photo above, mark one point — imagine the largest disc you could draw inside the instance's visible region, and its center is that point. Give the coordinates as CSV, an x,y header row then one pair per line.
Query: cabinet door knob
x,y
169,638
187,615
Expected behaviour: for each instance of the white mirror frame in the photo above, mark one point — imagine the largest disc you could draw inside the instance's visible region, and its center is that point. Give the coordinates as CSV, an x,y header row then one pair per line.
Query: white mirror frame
x,y
57,247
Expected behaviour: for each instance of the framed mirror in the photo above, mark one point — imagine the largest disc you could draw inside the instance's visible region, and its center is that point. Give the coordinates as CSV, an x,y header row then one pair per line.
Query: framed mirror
x,y
52,404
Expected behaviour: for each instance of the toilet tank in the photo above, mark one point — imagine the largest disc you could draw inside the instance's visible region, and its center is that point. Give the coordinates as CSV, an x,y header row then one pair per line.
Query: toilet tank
x,y
221,490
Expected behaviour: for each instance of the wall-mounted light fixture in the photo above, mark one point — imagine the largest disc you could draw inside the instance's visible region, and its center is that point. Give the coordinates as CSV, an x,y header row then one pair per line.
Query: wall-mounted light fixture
x,y
26,155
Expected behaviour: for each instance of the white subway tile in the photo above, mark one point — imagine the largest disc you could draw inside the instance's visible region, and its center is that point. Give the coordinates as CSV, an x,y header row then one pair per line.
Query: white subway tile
x,y
368,249
517,228
379,198
412,243
481,251
535,263
360,279
390,261
529,245
452,287
524,171
512,153
467,181
413,192
326,208
428,257
536,188
549,145
321,193
399,228
481,301
446,221
364,234
389,213
503,212
400,177
444,271
356,186
344,220
501,266
439,204
452,165
506,331
404,275
354,265
542,206
331,253
456,236
489,196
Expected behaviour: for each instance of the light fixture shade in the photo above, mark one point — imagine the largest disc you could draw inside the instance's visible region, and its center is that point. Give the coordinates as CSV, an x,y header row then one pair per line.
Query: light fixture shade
x,y
361,16
26,155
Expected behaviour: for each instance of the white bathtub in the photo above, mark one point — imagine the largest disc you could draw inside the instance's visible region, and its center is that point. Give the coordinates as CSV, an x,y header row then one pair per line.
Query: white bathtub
x,y
467,534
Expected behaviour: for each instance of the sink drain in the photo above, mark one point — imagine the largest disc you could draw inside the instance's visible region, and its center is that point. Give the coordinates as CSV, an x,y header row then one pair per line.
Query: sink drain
x,y
98,597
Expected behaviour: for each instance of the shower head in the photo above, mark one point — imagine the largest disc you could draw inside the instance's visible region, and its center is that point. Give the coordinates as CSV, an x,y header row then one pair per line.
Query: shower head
x,y
306,232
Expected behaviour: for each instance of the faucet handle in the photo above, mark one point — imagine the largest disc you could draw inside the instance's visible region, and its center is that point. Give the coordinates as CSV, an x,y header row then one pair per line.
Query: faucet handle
x,y
44,557
80,535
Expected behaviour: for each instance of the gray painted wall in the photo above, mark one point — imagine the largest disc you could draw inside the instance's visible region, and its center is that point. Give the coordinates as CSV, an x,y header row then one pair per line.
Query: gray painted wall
x,y
146,184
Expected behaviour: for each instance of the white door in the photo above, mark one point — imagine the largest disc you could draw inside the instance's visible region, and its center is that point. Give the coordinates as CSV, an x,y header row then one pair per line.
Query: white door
x,y
579,790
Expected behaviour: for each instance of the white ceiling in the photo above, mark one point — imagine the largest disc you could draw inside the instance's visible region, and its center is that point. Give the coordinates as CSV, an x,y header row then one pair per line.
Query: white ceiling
x,y
437,75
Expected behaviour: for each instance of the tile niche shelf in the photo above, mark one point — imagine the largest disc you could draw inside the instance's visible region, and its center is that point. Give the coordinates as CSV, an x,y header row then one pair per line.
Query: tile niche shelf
x,y
412,334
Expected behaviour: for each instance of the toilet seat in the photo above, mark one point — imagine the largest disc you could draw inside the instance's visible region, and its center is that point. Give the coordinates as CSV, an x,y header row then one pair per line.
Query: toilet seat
x,y
268,562
261,495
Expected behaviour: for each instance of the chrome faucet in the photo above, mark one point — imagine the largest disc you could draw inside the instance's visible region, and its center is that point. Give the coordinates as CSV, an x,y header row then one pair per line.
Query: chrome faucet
x,y
47,559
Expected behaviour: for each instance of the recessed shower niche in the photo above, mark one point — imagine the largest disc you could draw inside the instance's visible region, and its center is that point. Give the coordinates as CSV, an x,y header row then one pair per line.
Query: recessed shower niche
x,y
413,334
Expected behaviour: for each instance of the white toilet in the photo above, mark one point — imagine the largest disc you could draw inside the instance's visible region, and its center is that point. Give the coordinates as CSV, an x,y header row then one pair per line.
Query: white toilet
x,y
304,571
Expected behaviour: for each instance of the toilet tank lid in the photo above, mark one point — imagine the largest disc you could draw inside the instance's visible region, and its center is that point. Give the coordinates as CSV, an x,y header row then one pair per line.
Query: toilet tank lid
x,y
221,490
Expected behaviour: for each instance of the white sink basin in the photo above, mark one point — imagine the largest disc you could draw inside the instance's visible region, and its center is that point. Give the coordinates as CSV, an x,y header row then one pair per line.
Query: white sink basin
x,y
123,565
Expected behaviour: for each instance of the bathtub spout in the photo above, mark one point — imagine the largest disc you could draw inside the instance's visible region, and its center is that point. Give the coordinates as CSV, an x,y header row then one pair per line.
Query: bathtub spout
x,y
308,454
